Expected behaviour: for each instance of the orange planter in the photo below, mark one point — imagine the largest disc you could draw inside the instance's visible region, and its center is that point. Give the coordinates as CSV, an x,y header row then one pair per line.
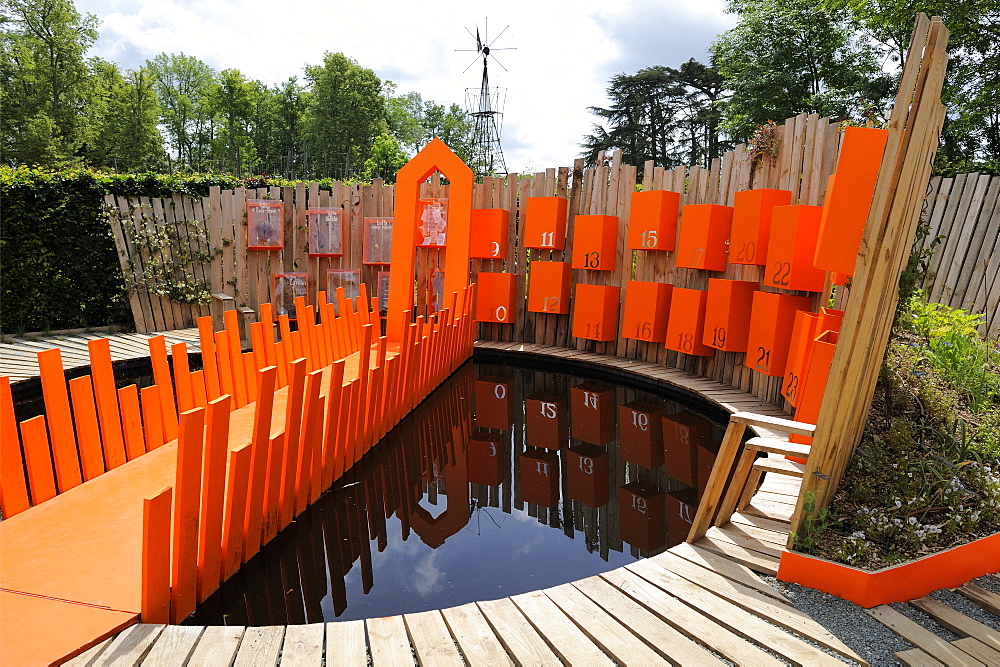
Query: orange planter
x,y
704,237
640,434
539,473
771,319
485,465
593,408
489,233
752,210
799,349
849,198
493,403
642,516
653,220
595,316
587,474
898,583
727,314
683,433
545,223
647,307
495,293
548,287
545,421
791,248
594,240
686,325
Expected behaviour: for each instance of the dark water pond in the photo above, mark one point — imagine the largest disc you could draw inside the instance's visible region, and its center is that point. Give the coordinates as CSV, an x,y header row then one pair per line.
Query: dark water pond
x,y
505,480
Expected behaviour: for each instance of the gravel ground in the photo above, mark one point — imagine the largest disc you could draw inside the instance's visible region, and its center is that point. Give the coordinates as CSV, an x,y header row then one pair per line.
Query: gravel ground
x,y
870,639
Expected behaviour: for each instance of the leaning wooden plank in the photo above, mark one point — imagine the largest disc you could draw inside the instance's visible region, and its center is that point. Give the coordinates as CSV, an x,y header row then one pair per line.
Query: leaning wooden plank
x,y
752,559
988,600
389,643
431,639
914,657
515,632
260,646
346,644
303,645
727,568
130,646
923,639
218,646
174,645
958,622
978,650
90,655
560,632
474,636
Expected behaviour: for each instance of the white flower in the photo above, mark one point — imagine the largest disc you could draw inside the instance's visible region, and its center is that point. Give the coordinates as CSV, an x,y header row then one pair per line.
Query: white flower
x,y
912,521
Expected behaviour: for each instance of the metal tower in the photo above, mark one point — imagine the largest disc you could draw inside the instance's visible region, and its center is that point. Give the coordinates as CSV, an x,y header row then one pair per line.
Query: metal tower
x,y
485,107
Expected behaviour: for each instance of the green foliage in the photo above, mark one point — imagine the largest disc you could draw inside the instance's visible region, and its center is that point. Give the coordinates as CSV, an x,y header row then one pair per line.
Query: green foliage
x,y
126,134
414,121
934,320
387,157
812,526
917,264
168,262
183,85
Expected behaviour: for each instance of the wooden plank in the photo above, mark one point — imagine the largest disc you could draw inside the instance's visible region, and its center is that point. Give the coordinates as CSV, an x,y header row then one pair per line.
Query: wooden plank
x,y
174,646
431,639
303,645
978,650
914,657
218,646
475,638
90,655
733,535
708,577
346,643
988,600
568,641
515,632
923,639
958,622
388,641
130,646
260,647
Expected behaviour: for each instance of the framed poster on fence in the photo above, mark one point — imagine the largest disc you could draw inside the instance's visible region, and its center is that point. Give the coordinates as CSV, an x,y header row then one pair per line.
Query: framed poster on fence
x,y
435,299
325,232
264,228
287,286
433,221
383,293
378,241
349,279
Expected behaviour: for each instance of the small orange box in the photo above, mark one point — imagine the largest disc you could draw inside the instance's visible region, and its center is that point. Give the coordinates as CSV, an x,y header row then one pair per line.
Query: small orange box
x,y
642,516
704,237
791,248
545,223
640,434
813,384
593,408
771,319
683,433
653,220
839,279
727,314
539,473
799,349
493,403
489,233
594,242
545,421
830,319
686,325
495,294
752,211
587,475
647,308
682,505
849,198
548,287
596,314
485,465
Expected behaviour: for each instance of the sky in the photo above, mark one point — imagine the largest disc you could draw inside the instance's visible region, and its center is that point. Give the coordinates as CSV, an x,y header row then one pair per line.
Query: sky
x,y
565,50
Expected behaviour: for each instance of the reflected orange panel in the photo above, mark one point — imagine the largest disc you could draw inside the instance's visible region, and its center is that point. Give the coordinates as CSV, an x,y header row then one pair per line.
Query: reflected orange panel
x,y
771,319
493,403
545,421
642,513
593,408
485,465
587,474
539,473
727,314
594,241
791,248
683,432
595,316
686,325
548,287
647,308
489,233
640,434
545,223
704,237
495,297
706,453
681,508
653,220
752,210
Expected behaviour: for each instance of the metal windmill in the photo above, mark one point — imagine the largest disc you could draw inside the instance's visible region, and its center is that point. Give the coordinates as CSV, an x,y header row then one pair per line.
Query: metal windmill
x,y
485,106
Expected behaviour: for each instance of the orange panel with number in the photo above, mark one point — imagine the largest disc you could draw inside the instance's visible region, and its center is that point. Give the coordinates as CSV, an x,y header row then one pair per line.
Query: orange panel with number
x,y
593,409
640,434
647,307
545,223
587,474
682,505
771,319
683,433
489,233
727,314
686,325
548,287
595,316
813,384
545,421
484,461
539,473
495,293
494,403
706,454
799,347
752,210
652,221
642,516
704,238
594,242
791,248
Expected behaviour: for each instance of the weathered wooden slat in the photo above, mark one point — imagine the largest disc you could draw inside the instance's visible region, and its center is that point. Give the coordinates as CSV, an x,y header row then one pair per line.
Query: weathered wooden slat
x,y
388,641
218,646
978,650
348,638
914,657
90,655
520,639
559,631
174,645
986,599
130,646
431,639
260,647
303,645
923,639
475,638
958,622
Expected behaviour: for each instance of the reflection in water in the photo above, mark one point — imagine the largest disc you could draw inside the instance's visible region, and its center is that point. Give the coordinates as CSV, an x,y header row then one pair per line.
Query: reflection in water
x,y
502,481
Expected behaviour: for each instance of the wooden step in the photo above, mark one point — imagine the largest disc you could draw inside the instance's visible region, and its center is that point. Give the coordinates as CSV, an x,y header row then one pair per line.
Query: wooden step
x,y
774,446
774,423
780,466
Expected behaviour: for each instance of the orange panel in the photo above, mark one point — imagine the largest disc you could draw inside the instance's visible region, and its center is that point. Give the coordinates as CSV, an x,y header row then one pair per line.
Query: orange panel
x,y
594,242
683,432
830,319
704,236
485,466
771,319
752,210
642,513
182,377
706,452
839,279
38,459
13,486
548,287
686,323
495,293
489,233
236,507
849,198
545,421
293,436
209,363
187,487
107,396
539,472
272,506
727,314
493,403
593,408
545,223
791,248
595,316
213,496
60,419
647,308
156,558
813,384
640,434
799,350
587,474
88,433
135,442
681,506
653,220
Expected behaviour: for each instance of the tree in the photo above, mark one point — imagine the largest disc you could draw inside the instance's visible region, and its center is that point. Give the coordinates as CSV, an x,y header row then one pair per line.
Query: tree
x,y
414,121
233,100
126,136
183,85
385,159
279,129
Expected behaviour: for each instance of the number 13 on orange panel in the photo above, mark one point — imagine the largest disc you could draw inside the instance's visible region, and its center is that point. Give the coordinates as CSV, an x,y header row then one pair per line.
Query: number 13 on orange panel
x,y
594,242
